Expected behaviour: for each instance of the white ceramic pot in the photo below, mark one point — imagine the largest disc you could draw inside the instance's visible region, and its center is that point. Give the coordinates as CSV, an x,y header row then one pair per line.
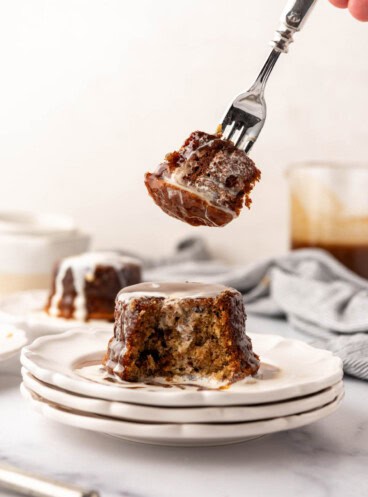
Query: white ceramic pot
x,y
30,244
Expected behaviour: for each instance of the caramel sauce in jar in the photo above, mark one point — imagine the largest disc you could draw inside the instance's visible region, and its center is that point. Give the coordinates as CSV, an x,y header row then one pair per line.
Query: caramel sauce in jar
x,y
329,211
354,257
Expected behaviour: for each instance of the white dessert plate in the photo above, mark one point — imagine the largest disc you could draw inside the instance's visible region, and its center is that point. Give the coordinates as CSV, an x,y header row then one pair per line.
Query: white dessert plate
x,y
12,339
290,368
177,434
148,414
25,309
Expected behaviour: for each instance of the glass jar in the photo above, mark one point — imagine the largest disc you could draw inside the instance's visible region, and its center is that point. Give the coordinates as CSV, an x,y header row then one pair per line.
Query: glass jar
x,y
329,210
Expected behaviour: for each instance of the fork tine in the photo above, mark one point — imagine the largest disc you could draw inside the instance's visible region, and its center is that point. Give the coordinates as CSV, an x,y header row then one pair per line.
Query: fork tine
x,y
240,137
224,129
232,131
237,133
248,146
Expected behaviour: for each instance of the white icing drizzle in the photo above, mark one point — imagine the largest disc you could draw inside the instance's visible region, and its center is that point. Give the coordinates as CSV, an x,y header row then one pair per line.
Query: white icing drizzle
x,y
83,268
207,197
175,291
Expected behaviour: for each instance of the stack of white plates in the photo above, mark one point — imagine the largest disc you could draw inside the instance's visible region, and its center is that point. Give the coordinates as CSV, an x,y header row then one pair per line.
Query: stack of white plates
x,y
297,385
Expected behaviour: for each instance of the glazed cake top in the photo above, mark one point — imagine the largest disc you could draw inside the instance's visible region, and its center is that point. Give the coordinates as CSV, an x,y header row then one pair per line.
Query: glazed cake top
x,y
172,290
93,259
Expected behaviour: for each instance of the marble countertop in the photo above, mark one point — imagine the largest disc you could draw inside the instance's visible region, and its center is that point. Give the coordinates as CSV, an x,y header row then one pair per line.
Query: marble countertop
x,y
328,458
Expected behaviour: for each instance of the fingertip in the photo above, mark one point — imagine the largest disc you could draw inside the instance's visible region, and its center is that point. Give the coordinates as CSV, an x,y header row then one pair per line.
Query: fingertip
x,y
341,4
359,9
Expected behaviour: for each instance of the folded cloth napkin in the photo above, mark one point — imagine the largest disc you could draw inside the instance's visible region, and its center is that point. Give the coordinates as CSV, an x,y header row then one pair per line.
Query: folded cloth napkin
x,y
317,295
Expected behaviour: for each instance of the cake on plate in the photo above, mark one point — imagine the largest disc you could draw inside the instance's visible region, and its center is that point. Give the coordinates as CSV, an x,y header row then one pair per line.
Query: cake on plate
x,y
85,286
206,182
180,332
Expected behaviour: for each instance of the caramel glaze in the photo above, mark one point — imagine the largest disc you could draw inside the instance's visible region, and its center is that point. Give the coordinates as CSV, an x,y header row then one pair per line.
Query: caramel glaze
x,y
354,257
206,182
265,372
150,299
171,290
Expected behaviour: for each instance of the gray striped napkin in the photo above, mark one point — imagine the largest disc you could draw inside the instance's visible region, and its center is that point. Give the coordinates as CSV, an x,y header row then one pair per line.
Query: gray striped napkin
x,y
317,295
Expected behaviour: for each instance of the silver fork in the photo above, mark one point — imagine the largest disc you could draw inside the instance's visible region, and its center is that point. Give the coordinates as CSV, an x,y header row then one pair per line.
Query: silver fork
x,y
246,116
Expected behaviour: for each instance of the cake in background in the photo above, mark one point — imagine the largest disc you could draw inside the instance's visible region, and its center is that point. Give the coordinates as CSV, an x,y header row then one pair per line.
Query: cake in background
x,y
30,243
206,182
180,332
84,287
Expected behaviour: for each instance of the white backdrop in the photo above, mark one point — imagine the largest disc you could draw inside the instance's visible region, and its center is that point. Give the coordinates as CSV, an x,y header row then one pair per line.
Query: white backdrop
x,y
93,93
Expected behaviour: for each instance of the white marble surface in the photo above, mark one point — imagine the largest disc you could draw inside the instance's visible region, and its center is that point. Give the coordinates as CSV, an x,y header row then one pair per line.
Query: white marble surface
x,y
328,458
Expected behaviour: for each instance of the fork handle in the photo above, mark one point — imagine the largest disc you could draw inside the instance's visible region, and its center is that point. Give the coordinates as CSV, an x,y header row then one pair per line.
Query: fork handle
x,y
33,485
292,20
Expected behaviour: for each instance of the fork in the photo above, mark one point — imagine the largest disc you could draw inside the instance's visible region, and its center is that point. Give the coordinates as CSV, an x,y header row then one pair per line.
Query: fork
x,y
31,485
246,116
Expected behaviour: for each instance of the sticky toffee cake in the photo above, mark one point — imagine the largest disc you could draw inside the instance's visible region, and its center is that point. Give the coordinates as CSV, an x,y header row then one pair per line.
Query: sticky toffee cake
x,y
85,286
180,332
206,182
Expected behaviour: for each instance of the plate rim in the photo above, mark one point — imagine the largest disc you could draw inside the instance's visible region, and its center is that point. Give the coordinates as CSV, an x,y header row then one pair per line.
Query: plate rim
x,y
182,431
166,396
21,341
47,325
134,412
